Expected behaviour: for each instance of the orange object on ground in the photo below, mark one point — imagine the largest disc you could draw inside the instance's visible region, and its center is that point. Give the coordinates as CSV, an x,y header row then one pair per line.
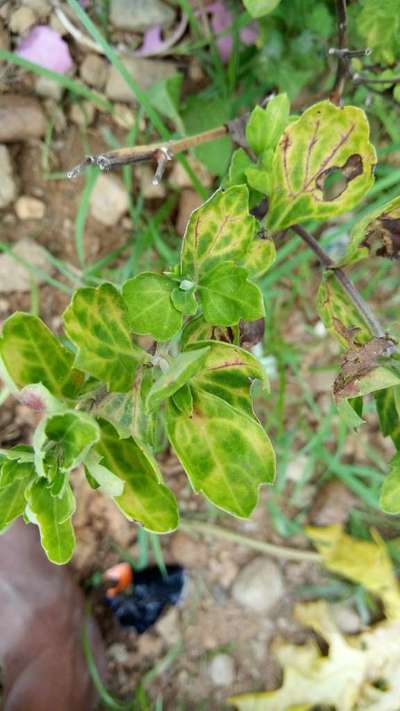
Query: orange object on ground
x,y
122,574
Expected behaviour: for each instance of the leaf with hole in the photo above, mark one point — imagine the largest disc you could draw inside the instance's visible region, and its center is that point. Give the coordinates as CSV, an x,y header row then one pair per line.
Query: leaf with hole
x,y
97,323
226,454
53,516
150,307
221,229
325,142
145,498
32,354
182,369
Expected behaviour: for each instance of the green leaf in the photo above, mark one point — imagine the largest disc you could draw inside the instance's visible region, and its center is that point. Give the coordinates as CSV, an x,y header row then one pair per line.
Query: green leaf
x,y
117,408
32,354
259,258
97,323
228,372
240,161
202,113
183,400
185,301
379,26
104,478
338,314
367,368
65,439
378,233
226,454
196,329
390,492
265,126
325,141
259,8
15,477
227,296
349,415
220,229
53,516
165,95
19,453
259,179
389,418
181,370
151,311
145,498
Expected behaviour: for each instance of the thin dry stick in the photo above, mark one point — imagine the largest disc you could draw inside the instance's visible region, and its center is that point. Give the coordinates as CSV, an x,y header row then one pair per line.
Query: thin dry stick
x,y
209,529
343,62
158,152
355,296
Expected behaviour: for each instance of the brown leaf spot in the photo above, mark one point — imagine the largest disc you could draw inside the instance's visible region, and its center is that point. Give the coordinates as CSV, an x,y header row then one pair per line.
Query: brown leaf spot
x,y
359,361
383,236
334,181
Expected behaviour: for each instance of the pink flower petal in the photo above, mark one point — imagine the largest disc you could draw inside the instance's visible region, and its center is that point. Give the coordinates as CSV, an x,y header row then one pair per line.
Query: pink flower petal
x,y
249,34
152,42
46,47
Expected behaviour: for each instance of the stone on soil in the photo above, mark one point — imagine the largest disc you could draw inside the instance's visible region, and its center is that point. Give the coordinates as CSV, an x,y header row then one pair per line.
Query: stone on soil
x,y
48,88
21,20
144,71
8,188
259,585
94,70
332,504
21,118
222,670
29,208
137,15
109,200
13,275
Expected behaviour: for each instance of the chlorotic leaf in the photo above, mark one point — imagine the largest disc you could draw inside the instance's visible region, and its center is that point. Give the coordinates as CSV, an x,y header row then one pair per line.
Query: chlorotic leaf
x,y
325,142
259,258
183,400
181,370
145,498
377,233
225,453
15,478
221,229
97,323
32,354
259,8
227,296
240,161
53,516
339,315
365,562
390,492
65,438
104,478
228,372
150,307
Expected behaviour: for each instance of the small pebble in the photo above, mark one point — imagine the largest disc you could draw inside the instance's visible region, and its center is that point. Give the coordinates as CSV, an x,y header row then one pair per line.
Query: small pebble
x,y
144,71
259,585
109,200
8,188
222,670
29,208
137,15
22,20
94,70
82,113
48,88
21,118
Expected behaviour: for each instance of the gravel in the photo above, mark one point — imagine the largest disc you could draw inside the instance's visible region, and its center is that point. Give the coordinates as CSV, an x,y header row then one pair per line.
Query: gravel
x,y
259,585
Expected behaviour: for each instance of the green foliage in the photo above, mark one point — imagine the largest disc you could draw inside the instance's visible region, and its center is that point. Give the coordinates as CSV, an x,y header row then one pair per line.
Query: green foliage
x,y
259,8
110,399
378,23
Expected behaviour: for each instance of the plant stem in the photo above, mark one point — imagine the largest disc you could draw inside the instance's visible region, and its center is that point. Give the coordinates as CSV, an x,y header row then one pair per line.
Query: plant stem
x,y
209,529
343,62
360,79
150,152
362,307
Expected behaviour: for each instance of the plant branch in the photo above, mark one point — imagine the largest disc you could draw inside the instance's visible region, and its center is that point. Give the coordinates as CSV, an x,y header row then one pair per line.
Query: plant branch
x,y
343,62
157,152
209,529
362,307
360,79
